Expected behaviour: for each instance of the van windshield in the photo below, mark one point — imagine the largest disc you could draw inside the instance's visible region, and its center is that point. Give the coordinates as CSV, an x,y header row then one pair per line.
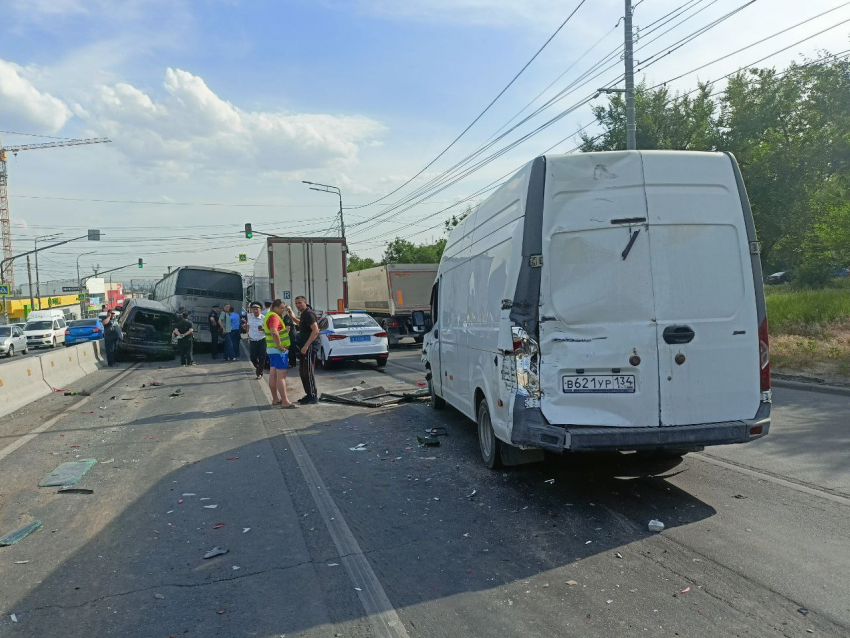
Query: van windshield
x,y
39,325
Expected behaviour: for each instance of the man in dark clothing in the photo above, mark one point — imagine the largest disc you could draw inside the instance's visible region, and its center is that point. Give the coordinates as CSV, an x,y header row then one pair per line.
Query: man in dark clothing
x,y
184,332
215,330
308,338
111,336
293,344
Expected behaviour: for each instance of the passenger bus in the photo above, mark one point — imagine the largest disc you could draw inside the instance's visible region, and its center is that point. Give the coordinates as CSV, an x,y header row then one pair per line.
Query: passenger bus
x,y
195,289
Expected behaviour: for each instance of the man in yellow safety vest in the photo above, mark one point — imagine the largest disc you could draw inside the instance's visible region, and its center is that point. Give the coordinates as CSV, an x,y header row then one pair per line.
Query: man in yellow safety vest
x,y
277,344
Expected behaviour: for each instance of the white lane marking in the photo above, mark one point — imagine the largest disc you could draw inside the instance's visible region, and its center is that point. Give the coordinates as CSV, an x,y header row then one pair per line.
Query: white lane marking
x,y
383,618
26,438
773,479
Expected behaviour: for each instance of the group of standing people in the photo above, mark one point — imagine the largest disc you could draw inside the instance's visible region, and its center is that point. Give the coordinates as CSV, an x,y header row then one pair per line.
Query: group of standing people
x,y
277,335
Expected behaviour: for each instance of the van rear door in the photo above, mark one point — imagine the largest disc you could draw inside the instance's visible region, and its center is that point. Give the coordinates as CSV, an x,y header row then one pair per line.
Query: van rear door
x,y
705,299
596,297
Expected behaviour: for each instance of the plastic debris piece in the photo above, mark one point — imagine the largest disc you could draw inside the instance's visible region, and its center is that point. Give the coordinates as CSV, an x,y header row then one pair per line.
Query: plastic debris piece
x,y
180,502
588,542
19,534
245,530
206,498
218,525
14,617
159,596
360,447
221,612
571,583
428,441
189,494
472,494
69,473
739,496
685,590
216,551
108,461
24,562
75,490
550,481
804,611
656,525
59,390
210,507
437,431
156,383
235,567
608,602
88,412
333,564
618,555
233,458
178,392
358,589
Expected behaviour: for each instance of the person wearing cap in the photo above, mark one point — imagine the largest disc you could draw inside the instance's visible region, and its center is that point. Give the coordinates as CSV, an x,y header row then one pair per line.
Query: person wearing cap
x,y
267,306
215,329
257,339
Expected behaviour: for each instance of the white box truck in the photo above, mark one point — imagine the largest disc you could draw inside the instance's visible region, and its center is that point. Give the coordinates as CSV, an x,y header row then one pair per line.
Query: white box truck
x,y
605,301
398,296
288,267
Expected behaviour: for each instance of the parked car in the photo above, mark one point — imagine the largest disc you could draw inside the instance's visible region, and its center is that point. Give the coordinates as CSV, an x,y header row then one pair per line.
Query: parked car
x,y
45,333
12,340
146,328
781,277
83,330
351,335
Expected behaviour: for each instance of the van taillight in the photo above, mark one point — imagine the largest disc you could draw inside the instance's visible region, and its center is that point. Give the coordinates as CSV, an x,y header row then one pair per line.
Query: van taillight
x,y
764,356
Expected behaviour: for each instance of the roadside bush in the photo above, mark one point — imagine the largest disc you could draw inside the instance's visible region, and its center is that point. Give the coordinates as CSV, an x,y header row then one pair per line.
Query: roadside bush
x,y
807,312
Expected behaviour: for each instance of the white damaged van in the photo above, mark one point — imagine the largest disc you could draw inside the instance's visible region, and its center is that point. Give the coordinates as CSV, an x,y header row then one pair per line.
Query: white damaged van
x,y
605,301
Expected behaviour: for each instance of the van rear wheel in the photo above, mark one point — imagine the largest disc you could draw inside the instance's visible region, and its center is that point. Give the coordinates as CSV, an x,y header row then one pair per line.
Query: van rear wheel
x,y
438,403
490,446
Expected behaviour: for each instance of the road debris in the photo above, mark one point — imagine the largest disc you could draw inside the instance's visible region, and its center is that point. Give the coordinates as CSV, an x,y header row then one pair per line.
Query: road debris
x,y
571,583
218,525
68,473
375,396
21,562
77,393
177,393
656,525
437,431
360,447
428,441
19,534
472,494
159,596
189,494
210,507
75,490
804,611
233,458
618,555
245,530
685,590
215,551
333,564
550,481
14,617
235,568
739,496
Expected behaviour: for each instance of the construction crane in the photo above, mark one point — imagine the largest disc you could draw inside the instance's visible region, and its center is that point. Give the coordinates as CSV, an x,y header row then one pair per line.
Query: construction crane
x,y
9,275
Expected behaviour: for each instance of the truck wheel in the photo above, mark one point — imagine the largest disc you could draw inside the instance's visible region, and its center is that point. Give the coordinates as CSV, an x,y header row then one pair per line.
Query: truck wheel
x,y
487,441
437,403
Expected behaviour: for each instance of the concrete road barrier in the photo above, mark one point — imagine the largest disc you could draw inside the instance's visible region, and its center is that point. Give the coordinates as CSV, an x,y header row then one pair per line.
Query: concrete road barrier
x,y
21,382
88,355
61,367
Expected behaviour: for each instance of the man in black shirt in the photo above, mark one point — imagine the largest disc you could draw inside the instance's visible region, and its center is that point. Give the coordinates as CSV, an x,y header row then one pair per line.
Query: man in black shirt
x,y
215,330
308,338
184,331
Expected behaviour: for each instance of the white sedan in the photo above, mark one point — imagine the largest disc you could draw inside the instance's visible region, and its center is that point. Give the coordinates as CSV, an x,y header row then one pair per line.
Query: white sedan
x,y
351,335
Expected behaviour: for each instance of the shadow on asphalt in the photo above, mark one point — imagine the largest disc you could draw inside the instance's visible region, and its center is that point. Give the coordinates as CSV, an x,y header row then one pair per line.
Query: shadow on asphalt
x,y
411,509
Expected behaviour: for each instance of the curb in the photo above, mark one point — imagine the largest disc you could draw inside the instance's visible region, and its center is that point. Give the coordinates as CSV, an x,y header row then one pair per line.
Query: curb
x,y
811,387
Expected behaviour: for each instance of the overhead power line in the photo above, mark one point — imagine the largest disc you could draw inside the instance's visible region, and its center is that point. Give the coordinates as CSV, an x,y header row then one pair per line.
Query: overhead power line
x,y
480,115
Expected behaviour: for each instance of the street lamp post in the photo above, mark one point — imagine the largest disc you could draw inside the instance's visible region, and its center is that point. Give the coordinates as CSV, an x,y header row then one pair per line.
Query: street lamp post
x,y
80,282
325,188
37,279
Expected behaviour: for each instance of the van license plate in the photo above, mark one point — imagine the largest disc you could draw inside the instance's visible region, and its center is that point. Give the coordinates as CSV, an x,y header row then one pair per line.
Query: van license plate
x,y
365,338
600,383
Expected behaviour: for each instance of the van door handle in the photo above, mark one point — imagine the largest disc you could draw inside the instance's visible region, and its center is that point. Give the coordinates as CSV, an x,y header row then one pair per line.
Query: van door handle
x,y
436,333
678,334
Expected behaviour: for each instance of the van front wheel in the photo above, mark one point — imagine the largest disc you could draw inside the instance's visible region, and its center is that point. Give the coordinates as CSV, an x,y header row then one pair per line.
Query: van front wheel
x,y
487,441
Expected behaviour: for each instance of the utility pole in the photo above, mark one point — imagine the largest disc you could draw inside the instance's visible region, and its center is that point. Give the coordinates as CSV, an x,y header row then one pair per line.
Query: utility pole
x,y
29,278
631,134
37,281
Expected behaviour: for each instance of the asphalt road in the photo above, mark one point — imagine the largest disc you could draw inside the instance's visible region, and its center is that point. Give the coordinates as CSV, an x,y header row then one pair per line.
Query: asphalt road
x,y
400,540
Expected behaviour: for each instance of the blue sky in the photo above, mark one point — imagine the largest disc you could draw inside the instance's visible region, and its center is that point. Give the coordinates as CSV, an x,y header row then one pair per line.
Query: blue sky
x,y
235,102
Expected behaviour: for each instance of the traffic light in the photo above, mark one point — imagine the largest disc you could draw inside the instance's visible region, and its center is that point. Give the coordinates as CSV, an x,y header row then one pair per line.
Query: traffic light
x,y
141,262
248,232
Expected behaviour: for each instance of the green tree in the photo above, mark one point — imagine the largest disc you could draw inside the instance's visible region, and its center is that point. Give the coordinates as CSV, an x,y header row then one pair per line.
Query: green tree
x,y
357,263
402,251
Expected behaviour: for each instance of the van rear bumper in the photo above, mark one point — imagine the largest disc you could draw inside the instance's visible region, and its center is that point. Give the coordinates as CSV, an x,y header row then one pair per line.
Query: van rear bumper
x,y
579,438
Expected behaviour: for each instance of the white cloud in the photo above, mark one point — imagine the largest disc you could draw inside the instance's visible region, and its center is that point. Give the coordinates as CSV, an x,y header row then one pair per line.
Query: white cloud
x,y
23,105
539,14
190,128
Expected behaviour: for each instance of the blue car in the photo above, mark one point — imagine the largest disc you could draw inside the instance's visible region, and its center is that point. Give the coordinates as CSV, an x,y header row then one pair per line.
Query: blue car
x,y
83,330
